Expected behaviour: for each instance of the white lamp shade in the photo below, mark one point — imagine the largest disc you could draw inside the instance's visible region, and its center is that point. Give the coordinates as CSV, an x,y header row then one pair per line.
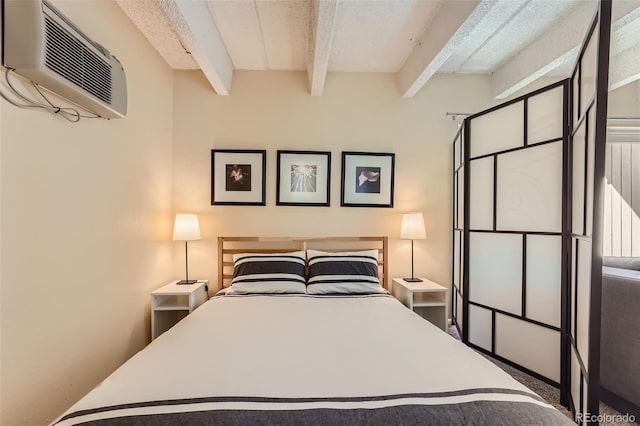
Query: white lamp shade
x,y
413,227
186,227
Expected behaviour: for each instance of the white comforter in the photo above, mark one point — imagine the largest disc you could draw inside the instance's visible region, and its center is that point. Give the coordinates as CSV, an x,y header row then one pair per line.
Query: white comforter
x,y
244,353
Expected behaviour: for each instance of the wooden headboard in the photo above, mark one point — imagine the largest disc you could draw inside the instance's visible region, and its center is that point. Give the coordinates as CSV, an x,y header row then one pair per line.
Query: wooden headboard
x,y
228,246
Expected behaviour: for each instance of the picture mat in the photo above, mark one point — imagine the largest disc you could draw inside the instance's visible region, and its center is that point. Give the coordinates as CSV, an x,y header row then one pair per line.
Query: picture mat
x,y
351,161
221,159
286,161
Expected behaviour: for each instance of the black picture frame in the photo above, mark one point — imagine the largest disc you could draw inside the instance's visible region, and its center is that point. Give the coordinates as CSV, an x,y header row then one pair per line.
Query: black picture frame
x,y
311,188
367,179
238,177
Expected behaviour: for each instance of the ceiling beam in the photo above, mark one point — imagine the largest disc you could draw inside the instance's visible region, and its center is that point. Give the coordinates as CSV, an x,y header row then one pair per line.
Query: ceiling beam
x,y
452,25
624,68
495,18
195,26
557,46
321,24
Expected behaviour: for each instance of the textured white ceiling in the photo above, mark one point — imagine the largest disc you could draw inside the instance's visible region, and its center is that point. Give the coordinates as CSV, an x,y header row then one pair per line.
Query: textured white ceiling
x,y
239,27
262,35
149,17
532,18
369,35
626,34
496,18
379,35
285,33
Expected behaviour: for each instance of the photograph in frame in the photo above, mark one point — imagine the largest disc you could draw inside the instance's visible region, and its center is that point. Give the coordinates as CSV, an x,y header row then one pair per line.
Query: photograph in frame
x,y
303,178
238,177
367,179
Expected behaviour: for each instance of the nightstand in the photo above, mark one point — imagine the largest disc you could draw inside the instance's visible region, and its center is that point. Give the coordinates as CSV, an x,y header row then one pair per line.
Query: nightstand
x,y
426,298
171,303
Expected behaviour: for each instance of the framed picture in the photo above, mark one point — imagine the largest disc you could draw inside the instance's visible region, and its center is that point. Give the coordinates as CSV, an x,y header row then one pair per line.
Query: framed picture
x,y
238,177
303,178
367,179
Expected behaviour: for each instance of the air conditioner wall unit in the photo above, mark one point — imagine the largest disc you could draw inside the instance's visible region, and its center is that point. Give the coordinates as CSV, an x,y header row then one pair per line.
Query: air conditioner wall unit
x,y
44,46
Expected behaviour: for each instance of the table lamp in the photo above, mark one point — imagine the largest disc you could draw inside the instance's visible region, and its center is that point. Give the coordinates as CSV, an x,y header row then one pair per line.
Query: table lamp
x,y
186,228
412,229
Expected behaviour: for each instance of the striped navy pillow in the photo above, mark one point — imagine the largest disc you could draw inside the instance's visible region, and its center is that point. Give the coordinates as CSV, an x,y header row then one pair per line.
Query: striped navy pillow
x,y
343,273
268,273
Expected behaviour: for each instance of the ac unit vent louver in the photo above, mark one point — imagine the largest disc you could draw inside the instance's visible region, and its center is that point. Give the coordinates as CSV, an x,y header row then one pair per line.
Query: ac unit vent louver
x,y
73,61
43,45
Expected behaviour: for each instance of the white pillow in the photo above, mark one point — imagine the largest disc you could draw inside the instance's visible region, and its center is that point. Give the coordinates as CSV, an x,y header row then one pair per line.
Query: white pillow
x,y
271,273
343,273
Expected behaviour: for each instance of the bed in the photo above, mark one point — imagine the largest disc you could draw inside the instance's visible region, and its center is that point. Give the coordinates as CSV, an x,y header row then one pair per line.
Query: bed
x,y
288,359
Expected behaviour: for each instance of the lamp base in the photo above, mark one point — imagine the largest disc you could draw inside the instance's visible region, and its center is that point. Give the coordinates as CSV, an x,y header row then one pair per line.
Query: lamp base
x,y
412,280
187,282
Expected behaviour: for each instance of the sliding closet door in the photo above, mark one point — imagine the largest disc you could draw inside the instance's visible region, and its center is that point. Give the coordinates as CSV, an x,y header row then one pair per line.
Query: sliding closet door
x,y
587,174
514,239
457,293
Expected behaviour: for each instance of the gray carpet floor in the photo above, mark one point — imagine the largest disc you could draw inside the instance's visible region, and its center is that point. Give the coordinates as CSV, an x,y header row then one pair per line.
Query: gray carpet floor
x,y
550,393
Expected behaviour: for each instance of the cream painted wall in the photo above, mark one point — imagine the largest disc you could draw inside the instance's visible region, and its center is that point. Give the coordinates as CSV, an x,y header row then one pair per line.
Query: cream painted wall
x,y
625,102
86,217
358,112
